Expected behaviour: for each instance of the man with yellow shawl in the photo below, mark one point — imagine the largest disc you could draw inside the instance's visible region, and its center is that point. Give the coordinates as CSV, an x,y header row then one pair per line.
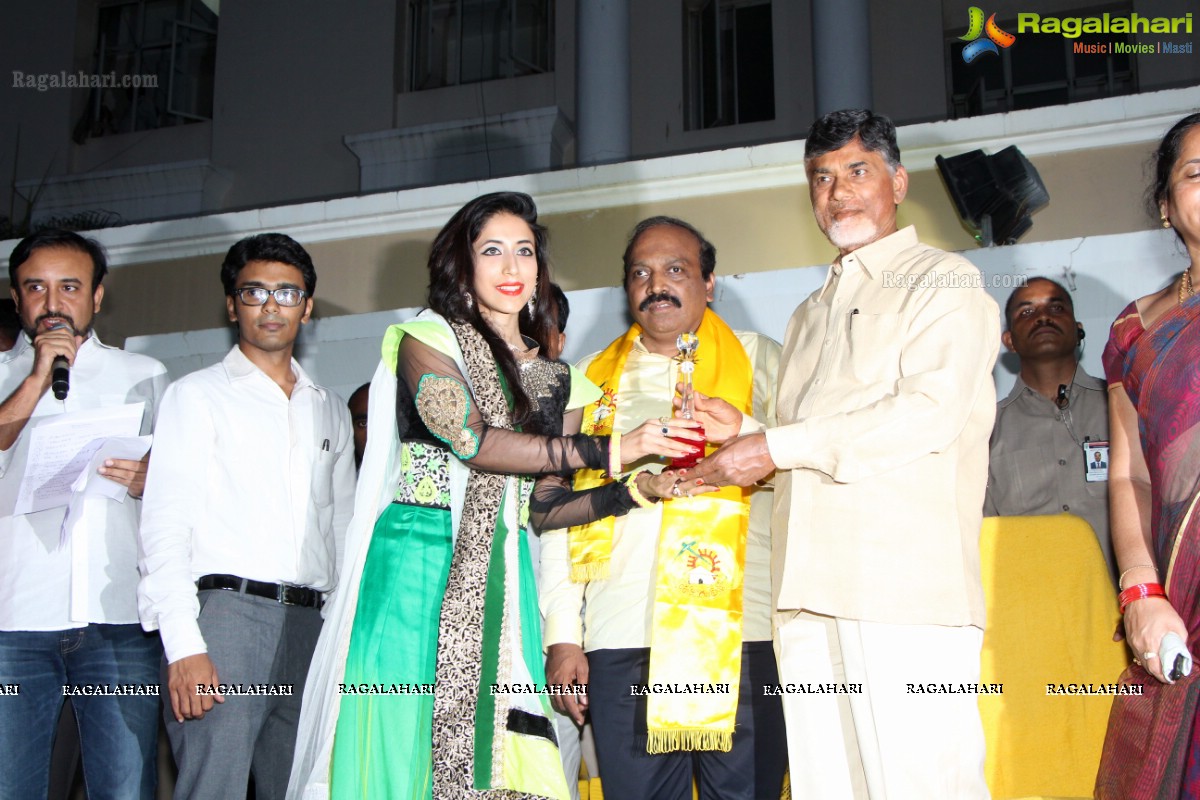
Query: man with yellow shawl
x,y
665,613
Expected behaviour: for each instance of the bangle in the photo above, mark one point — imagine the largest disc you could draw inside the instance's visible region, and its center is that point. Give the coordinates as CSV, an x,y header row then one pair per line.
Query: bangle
x,y
614,454
1140,591
1121,580
635,492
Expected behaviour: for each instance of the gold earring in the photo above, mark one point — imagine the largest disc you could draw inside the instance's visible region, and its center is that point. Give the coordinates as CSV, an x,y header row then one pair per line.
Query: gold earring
x,y
1166,223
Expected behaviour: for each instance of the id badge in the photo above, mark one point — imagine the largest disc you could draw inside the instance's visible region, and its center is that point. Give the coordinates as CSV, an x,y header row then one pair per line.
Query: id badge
x,y
1095,460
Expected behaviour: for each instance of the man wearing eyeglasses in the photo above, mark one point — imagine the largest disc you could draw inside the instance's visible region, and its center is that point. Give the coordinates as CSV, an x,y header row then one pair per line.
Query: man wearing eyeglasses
x,y
242,531
1051,421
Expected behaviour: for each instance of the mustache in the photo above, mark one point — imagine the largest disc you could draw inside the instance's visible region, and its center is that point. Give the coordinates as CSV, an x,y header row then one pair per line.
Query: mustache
x,y
1046,324
661,297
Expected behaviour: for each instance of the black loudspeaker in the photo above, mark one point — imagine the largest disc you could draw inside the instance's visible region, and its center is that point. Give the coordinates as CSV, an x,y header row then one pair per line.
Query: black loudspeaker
x,y
995,195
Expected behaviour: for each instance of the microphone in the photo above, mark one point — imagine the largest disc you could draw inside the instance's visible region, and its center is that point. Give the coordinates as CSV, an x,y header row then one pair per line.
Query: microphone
x,y
60,370
60,377
1063,399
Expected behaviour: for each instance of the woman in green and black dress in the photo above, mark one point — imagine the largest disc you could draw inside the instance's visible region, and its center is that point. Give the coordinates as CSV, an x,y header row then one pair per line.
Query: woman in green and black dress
x,y
438,604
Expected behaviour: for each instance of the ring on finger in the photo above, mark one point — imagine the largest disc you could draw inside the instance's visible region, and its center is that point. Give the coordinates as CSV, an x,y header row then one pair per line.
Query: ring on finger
x,y
663,420
665,430
675,491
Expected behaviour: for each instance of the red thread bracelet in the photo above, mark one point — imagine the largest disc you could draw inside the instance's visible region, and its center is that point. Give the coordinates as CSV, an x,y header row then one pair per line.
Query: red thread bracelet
x,y
1140,591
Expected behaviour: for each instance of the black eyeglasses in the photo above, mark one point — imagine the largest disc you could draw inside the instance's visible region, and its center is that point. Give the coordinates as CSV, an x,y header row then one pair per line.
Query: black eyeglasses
x,y
288,296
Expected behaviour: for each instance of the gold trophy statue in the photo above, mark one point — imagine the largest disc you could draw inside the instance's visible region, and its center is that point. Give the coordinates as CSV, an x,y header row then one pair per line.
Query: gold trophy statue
x,y
688,344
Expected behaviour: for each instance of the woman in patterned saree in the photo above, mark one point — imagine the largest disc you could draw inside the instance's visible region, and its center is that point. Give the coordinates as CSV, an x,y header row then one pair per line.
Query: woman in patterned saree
x,y
415,687
1152,361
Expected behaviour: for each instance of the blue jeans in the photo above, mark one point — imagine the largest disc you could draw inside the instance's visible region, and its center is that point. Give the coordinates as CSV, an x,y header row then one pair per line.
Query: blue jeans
x,y
117,734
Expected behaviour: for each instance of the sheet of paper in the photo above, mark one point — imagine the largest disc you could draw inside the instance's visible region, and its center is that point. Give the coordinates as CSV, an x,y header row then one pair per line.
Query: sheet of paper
x,y
92,482
61,447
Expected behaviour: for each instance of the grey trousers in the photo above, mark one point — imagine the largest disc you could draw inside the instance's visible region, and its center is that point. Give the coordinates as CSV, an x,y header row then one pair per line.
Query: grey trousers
x,y
254,642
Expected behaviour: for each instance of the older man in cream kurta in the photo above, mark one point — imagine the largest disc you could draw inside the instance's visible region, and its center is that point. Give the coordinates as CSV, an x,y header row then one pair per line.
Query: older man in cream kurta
x,y
885,406
603,632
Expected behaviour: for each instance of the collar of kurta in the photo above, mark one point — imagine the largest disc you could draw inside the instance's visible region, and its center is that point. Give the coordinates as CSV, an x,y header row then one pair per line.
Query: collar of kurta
x,y
874,257
238,366
877,255
24,343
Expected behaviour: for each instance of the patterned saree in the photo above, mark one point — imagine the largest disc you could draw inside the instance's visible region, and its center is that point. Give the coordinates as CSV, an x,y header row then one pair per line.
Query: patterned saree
x,y
1152,749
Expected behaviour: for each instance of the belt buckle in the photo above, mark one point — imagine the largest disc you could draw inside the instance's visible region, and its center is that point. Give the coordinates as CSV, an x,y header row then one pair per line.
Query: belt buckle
x,y
291,595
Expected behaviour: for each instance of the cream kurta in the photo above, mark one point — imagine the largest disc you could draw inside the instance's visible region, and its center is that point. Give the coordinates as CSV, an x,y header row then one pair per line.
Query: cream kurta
x,y
618,611
885,406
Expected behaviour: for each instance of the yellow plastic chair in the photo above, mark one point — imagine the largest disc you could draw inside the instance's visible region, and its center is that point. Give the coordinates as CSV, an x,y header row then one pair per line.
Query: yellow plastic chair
x,y
1051,613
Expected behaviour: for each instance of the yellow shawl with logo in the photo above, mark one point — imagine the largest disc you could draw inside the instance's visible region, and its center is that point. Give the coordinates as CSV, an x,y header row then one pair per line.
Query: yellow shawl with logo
x,y
696,634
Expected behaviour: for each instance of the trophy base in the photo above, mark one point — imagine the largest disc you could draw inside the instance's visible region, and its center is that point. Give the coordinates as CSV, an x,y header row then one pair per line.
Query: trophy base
x,y
689,461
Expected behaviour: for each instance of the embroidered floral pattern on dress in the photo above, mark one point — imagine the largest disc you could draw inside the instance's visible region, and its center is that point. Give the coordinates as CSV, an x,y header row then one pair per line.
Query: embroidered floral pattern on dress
x,y
444,405
460,635
425,475
461,647
547,384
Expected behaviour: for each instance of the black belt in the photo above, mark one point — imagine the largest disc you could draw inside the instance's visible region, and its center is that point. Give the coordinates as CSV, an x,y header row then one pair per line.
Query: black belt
x,y
283,593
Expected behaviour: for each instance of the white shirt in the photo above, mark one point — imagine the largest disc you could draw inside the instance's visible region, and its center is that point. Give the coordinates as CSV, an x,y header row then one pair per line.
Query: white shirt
x,y
243,481
95,572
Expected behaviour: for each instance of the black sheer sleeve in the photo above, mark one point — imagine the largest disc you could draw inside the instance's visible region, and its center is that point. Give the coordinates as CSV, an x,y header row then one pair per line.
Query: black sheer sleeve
x,y
445,406
554,504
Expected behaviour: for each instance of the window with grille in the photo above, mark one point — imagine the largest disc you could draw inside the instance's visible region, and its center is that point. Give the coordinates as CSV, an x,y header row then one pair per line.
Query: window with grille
x,y
729,63
156,59
453,42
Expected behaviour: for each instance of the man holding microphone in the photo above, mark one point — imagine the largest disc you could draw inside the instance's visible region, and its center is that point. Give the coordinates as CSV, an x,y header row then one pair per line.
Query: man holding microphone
x,y
68,587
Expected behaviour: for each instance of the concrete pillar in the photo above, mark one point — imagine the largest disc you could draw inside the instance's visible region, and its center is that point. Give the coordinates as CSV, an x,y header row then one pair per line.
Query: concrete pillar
x,y
602,99
841,54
